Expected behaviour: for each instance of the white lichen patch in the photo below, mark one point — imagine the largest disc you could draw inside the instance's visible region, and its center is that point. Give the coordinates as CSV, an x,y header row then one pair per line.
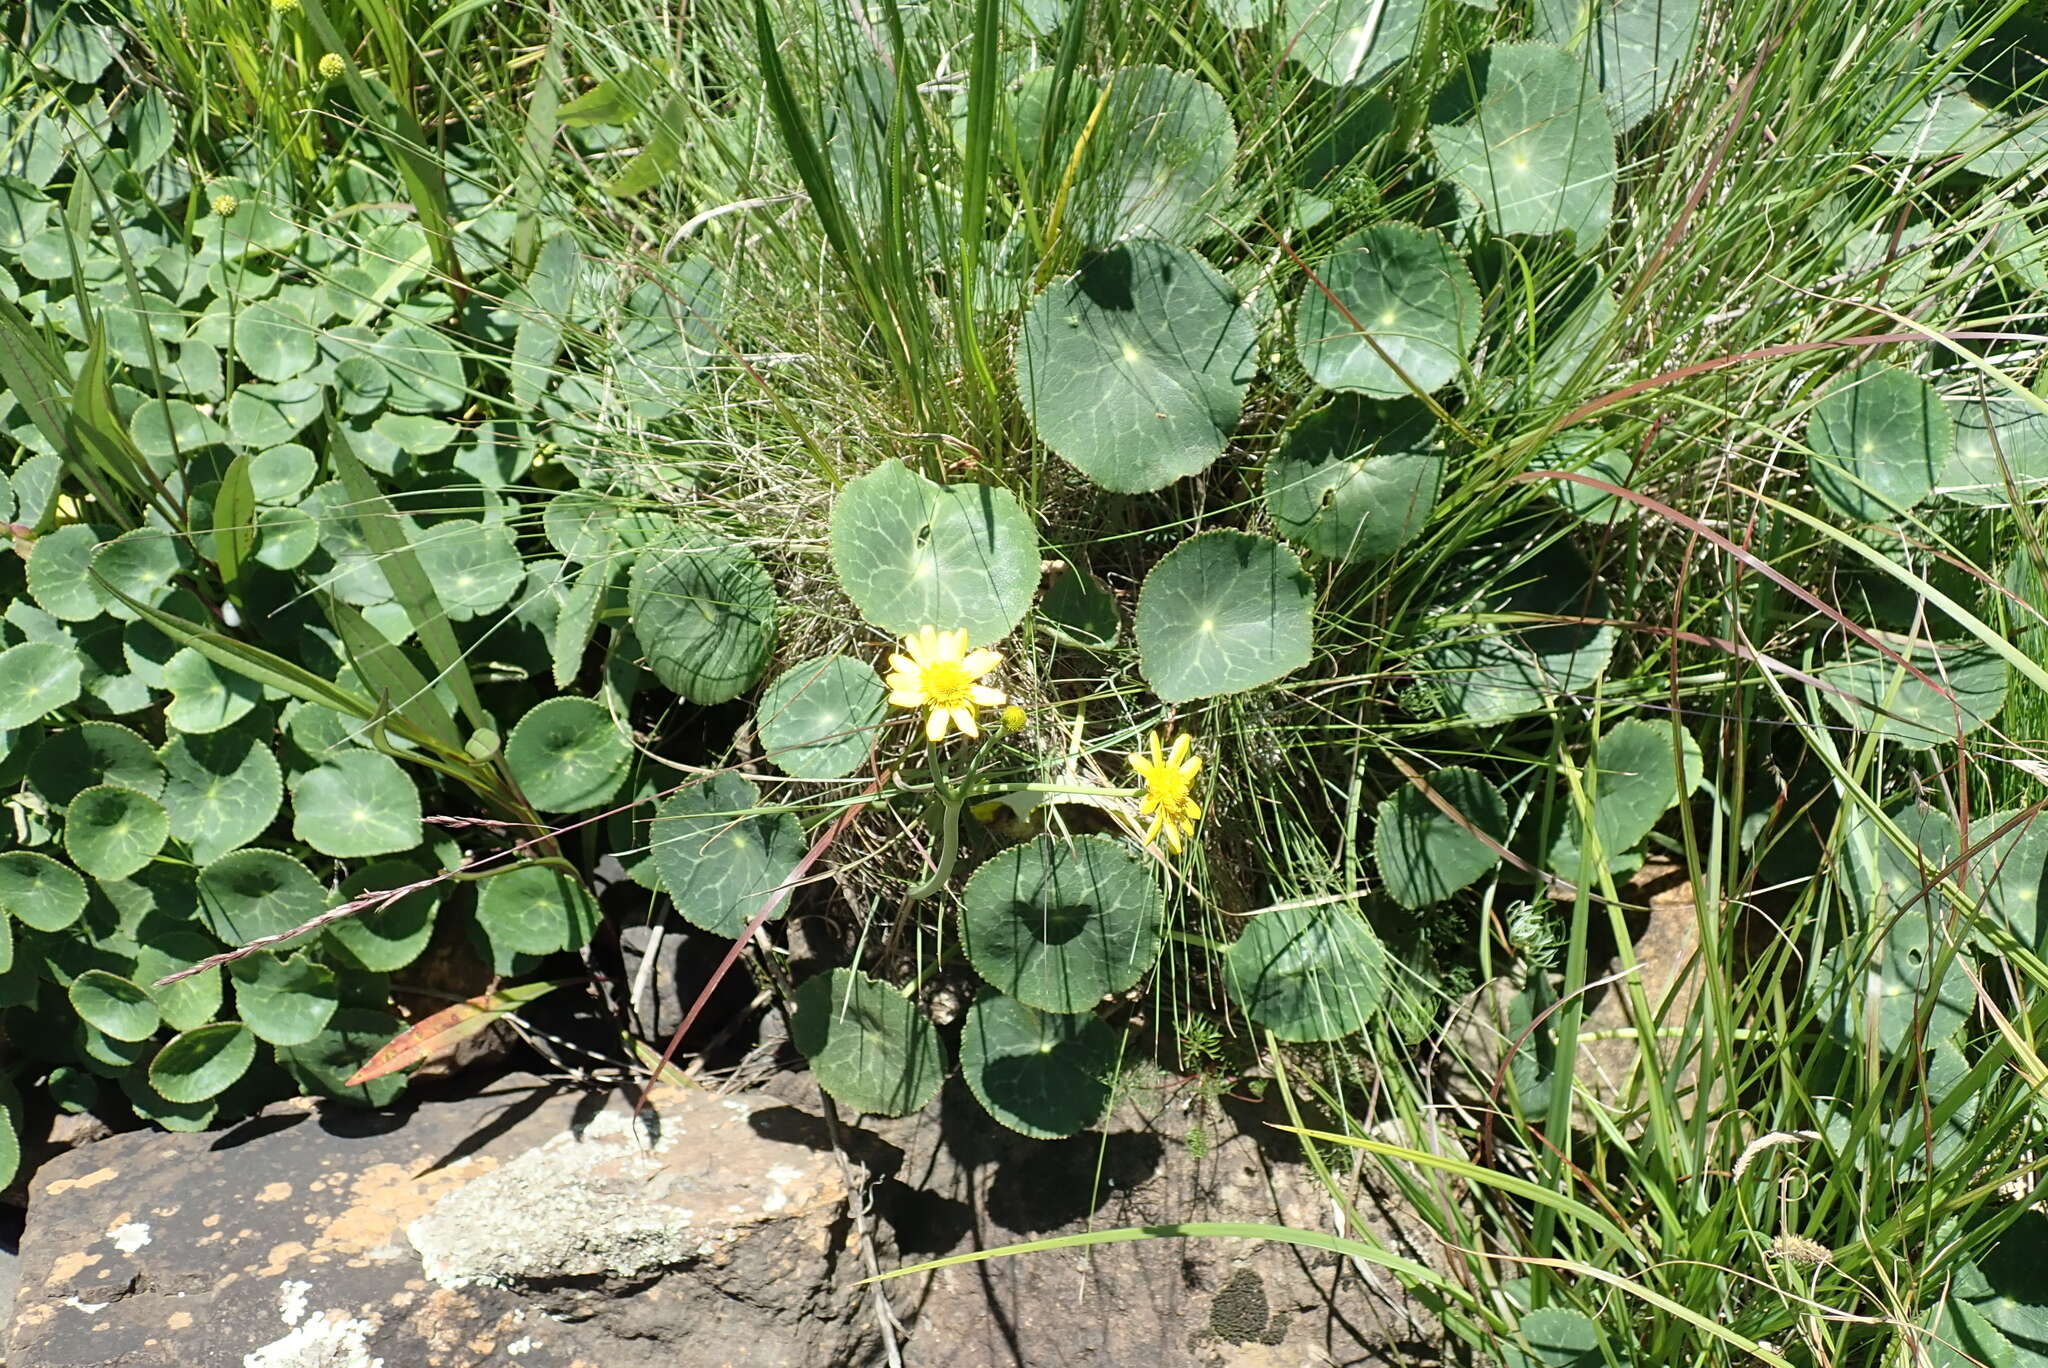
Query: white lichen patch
x,y
291,1302
328,1339
130,1237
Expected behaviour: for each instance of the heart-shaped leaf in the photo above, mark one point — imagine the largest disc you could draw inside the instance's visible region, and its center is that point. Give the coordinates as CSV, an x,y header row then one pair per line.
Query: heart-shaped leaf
x,y
1308,973
140,564
1134,368
1538,151
221,790
1158,164
1881,438
475,568
1390,312
568,754
358,802
912,554
110,832
1058,924
818,719
1043,1074
1221,613
868,1044
203,1062
1424,855
1356,479
704,612
719,860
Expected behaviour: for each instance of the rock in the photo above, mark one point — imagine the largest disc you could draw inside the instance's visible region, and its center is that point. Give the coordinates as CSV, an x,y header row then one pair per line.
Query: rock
x,y
1664,947
523,1225
952,1180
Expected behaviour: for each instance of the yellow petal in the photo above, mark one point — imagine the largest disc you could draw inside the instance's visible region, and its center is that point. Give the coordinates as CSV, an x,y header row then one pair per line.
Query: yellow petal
x,y
1181,745
964,719
1146,804
935,725
1152,832
1173,838
979,663
1158,754
956,644
1137,763
1192,768
908,698
926,649
987,697
1193,810
903,664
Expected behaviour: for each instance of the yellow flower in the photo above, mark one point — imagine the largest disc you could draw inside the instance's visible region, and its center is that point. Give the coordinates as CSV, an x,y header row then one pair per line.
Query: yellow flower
x,y
283,6
225,204
331,66
935,670
1015,719
1169,782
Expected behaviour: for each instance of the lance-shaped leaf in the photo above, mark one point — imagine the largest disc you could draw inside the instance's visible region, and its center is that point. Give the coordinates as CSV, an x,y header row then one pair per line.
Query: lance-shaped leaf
x,y
434,1036
1134,368
1356,479
1881,437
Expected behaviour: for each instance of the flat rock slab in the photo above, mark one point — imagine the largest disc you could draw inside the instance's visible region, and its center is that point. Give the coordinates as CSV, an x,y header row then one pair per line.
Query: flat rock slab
x,y
519,1226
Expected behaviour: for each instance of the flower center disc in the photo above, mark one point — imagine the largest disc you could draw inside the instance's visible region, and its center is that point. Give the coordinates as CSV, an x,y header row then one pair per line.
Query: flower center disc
x,y
946,684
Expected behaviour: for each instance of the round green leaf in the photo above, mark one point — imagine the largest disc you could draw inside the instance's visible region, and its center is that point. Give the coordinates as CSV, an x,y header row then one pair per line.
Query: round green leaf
x,y
37,678
1059,924
1881,437
264,415
1639,49
1512,643
475,568
568,754
704,611
818,719
1134,369
40,892
1350,42
1078,609
1308,973
424,367
1356,479
141,564
201,1063
110,832
166,431
285,537
1963,688
284,1001
1558,1338
719,864
361,384
113,1006
358,802
221,790
325,1063
166,949
1893,985
912,554
384,940
581,524
1159,164
1538,152
1391,312
250,894
1044,1074
1423,855
281,474
60,573
537,909
1221,613
1633,779
274,339
868,1044
2001,447
204,696
153,1107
